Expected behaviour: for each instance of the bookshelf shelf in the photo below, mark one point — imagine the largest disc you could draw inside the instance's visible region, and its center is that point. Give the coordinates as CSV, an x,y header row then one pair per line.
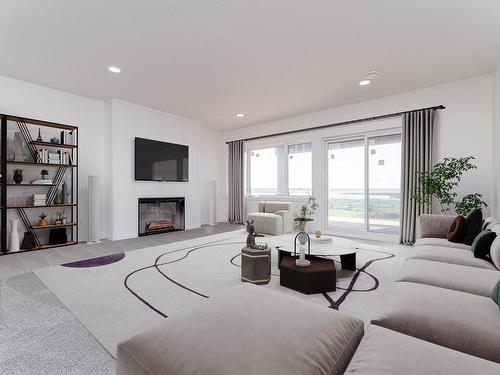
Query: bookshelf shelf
x,y
25,132
42,164
49,144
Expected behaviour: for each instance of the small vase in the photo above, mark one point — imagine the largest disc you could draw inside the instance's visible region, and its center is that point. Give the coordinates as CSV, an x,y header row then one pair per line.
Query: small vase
x,y
14,236
45,176
58,198
18,178
42,222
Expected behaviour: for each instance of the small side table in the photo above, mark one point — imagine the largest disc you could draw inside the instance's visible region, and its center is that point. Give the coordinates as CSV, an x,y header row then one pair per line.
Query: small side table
x,y
256,265
319,277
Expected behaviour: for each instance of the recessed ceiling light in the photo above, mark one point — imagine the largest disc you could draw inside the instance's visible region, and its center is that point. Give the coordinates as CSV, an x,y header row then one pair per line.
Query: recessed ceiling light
x,y
372,74
240,115
364,82
114,69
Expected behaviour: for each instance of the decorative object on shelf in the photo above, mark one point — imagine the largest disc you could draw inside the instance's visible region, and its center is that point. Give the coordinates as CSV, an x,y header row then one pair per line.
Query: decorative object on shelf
x,y
14,236
58,219
42,220
39,138
317,234
28,242
54,140
45,174
18,176
39,199
58,199
18,147
302,238
65,192
58,236
306,212
64,220
441,184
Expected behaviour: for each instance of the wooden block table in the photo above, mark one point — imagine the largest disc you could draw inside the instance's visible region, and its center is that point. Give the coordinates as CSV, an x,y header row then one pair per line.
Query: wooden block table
x,y
256,265
319,277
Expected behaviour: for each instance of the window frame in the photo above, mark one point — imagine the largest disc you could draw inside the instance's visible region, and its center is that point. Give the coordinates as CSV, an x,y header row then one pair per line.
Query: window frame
x,y
283,188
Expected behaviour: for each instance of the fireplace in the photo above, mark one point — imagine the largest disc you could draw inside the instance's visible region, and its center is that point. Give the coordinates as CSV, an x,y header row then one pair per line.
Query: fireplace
x,y
160,215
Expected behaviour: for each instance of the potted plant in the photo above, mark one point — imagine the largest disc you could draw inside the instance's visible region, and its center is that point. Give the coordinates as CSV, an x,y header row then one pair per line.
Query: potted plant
x,y
18,176
42,220
45,174
306,212
441,184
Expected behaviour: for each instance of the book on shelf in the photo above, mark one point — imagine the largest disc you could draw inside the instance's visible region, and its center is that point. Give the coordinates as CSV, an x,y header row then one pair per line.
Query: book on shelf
x,y
39,199
42,182
67,137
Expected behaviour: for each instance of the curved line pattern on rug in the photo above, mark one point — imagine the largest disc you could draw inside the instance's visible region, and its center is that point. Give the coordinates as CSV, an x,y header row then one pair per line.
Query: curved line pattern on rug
x,y
336,304
156,266
333,304
96,262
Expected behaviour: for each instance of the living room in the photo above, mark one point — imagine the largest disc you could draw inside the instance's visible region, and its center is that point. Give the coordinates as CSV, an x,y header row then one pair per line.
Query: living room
x,y
202,187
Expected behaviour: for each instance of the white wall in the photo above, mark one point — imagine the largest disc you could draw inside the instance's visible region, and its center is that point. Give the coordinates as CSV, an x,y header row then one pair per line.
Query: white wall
x,y
38,102
463,128
127,122
496,142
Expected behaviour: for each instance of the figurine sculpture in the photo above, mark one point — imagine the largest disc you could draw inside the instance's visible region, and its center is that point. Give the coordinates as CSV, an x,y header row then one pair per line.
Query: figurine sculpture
x,y
251,237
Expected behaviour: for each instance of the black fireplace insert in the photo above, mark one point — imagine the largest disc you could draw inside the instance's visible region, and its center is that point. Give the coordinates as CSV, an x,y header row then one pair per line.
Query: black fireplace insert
x,y
160,215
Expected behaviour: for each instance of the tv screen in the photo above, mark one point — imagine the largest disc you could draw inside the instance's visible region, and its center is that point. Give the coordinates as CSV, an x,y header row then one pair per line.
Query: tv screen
x,y
160,161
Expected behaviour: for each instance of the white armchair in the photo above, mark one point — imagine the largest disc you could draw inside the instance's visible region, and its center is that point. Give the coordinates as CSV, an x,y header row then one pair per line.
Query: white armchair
x,y
273,218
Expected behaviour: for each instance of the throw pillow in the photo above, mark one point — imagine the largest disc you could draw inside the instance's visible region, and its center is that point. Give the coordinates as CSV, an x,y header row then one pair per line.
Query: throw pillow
x,y
474,223
482,244
495,295
495,252
457,230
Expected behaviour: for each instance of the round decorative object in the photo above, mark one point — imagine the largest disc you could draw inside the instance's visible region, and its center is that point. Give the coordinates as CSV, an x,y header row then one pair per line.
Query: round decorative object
x,y
42,222
317,234
58,198
14,236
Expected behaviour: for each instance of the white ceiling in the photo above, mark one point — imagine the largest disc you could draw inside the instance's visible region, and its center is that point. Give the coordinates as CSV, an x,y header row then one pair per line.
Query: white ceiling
x,y
269,59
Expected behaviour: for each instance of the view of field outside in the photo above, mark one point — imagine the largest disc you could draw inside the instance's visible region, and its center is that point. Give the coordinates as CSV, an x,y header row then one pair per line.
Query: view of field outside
x,y
347,161
346,178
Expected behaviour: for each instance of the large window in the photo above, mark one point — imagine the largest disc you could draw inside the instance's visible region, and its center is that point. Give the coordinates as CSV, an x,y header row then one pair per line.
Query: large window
x,y
364,177
300,169
281,170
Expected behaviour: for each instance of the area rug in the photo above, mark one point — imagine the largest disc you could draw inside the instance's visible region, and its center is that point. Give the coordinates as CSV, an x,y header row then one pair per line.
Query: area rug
x,y
120,295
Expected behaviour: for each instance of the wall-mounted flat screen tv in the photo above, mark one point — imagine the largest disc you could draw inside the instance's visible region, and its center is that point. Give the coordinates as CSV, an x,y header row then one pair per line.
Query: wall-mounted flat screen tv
x,y
160,161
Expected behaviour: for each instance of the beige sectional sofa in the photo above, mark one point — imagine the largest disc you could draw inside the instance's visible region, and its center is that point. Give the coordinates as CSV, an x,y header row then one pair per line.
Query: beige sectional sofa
x,y
440,318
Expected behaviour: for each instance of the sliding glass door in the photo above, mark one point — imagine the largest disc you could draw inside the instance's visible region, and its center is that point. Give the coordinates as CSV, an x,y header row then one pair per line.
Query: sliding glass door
x,y
346,184
364,184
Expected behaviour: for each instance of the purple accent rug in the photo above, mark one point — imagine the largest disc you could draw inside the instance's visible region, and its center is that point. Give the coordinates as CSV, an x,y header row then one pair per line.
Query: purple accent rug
x,y
96,262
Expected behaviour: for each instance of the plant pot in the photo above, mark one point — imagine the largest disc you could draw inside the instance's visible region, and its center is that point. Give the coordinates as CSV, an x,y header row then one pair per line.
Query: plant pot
x,y
18,178
42,222
45,176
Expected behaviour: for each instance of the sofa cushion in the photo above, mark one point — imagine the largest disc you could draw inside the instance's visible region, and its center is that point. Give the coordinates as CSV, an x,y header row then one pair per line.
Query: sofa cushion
x,y
495,252
489,222
457,230
267,223
386,352
482,244
272,207
435,226
449,255
495,294
450,276
474,223
456,320
440,242
246,329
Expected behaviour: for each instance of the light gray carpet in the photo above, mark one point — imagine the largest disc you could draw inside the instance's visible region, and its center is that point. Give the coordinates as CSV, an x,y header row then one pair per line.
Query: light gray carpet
x,y
38,335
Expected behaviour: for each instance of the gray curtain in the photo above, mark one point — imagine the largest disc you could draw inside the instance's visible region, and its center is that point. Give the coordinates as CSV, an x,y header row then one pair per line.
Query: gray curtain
x,y
416,156
236,210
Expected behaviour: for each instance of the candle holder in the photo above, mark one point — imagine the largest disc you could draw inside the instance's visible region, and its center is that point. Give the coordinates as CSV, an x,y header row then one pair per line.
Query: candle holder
x,y
302,238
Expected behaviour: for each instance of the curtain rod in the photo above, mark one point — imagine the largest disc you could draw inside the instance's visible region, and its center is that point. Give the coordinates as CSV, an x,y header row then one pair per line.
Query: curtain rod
x,y
379,117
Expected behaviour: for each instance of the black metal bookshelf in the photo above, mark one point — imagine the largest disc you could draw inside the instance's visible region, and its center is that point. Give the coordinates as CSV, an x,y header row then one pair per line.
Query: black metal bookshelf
x,y
27,127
